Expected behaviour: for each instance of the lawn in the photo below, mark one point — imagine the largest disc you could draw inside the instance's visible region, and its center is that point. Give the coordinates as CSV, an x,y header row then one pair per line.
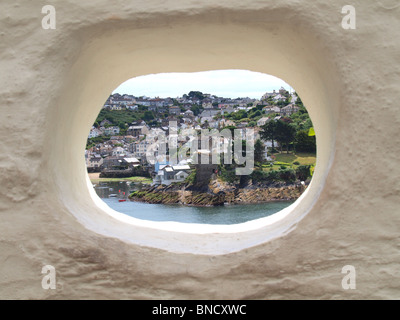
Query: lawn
x,y
133,179
302,157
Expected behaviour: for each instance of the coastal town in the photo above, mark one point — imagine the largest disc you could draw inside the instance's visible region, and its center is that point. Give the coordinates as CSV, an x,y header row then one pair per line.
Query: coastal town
x,y
115,145
118,144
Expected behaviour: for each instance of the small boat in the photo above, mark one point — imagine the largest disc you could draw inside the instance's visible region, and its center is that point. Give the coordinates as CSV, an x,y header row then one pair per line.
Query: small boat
x,y
121,200
112,195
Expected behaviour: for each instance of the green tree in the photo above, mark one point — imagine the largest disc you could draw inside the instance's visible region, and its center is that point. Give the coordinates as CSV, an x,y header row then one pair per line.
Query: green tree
x,y
148,115
285,134
303,172
122,125
256,114
258,151
268,132
196,110
304,142
196,94
298,101
239,115
252,123
228,173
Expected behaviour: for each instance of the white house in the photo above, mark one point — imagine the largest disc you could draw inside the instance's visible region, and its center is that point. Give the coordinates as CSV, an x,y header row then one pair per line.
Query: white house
x,y
279,97
94,132
225,123
111,131
272,109
189,113
207,105
118,151
132,107
174,110
139,149
262,121
116,107
132,162
94,161
288,110
168,174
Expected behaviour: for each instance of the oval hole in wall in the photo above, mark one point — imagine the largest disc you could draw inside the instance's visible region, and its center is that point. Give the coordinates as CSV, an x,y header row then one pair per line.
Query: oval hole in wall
x,y
164,183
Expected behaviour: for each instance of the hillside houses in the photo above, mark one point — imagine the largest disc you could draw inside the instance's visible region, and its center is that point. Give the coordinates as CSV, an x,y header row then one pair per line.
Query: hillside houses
x,y
138,130
94,162
110,145
210,113
120,162
175,110
271,109
94,133
111,131
118,151
139,148
262,121
289,110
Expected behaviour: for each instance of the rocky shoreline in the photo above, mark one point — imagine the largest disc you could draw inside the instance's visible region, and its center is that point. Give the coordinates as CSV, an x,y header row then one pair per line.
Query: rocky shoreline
x,y
217,193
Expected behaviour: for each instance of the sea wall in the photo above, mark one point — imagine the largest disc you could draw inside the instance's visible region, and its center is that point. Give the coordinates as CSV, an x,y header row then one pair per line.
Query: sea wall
x,y
54,82
134,172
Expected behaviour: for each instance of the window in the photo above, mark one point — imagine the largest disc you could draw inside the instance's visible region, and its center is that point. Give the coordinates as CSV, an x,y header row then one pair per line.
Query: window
x,y
268,122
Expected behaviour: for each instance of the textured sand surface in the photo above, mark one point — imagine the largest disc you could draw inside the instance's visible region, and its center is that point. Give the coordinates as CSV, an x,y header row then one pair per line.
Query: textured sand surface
x,y
53,83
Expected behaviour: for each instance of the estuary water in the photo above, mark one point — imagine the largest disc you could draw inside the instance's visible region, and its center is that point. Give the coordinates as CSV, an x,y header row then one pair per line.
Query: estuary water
x,y
114,194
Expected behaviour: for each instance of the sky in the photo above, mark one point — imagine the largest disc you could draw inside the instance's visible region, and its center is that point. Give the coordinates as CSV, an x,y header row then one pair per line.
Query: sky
x,y
222,83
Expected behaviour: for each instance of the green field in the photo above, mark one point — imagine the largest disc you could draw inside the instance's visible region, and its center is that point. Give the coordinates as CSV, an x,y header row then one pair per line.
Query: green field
x,y
302,157
287,159
132,179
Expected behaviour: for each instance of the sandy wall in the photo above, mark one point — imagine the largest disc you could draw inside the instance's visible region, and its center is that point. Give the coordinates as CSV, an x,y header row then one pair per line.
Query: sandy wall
x,y
53,83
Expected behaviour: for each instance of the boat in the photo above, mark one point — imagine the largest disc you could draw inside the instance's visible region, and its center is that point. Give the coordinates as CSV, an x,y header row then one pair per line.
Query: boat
x,y
112,195
121,200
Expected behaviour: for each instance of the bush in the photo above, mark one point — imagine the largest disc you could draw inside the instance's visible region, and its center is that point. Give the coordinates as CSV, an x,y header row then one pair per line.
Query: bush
x,y
191,178
263,176
283,167
296,163
303,172
304,142
138,194
229,175
280,163
288,175
272,175
257,175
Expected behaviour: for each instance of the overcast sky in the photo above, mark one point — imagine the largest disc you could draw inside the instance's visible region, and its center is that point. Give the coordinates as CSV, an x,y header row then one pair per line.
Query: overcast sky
x,y
222,83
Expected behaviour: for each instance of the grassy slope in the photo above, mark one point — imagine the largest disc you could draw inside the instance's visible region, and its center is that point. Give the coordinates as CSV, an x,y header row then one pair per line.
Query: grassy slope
x,y
302,157
133,179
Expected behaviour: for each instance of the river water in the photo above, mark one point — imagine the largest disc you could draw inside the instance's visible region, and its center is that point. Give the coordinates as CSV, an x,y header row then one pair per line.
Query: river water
x,y
112,192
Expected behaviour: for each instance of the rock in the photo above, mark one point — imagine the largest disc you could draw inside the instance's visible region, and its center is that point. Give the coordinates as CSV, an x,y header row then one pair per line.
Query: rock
x,y
217,194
